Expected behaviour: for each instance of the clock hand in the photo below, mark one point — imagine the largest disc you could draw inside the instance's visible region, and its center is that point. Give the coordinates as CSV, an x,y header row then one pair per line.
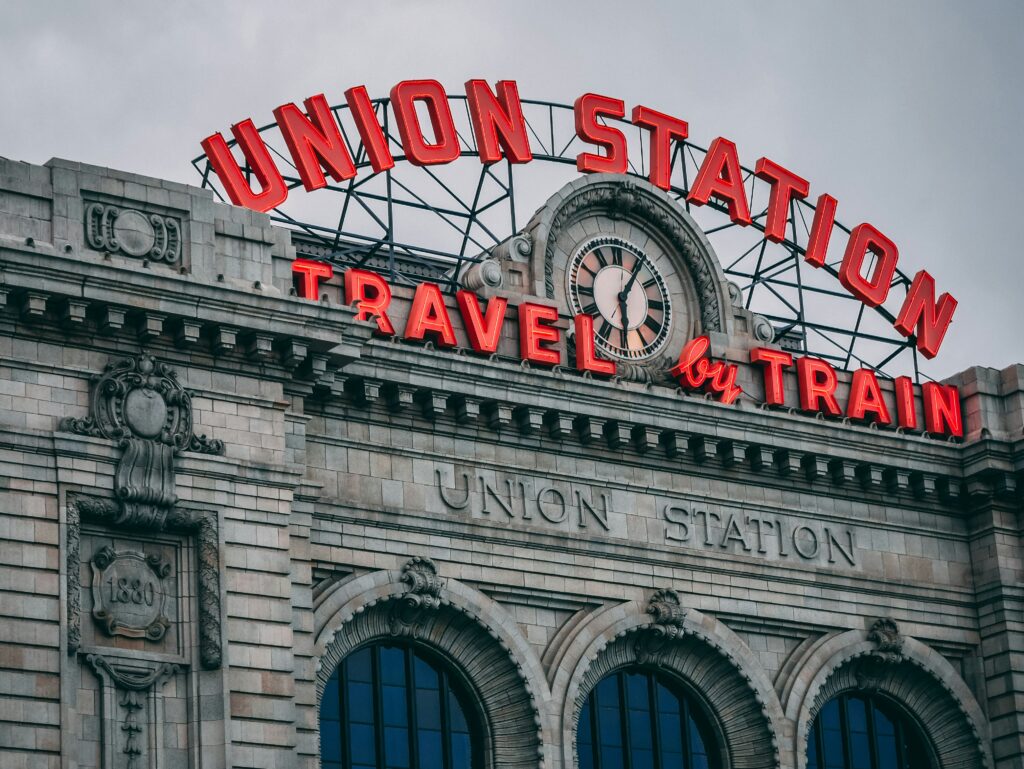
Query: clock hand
x,y
623,312
641,259
624,295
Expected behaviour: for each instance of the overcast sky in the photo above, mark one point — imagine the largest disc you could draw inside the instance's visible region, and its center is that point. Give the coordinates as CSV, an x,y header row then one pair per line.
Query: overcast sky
x,y
909,112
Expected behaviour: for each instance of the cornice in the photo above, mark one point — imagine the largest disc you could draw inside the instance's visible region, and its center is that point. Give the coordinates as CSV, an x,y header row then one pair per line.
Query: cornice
x,y
643,421
307,341
320,350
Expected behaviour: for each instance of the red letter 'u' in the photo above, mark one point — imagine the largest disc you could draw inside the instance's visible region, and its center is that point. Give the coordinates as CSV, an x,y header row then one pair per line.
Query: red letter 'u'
x,y
273,189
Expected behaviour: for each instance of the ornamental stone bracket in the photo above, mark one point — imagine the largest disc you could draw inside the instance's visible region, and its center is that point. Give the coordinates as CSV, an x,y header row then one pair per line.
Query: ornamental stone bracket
x,y
139,403
668,618
870,670
885,635
410,611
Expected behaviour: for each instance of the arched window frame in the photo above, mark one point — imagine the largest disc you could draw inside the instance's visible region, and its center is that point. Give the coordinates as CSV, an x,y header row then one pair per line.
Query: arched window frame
x,y
873,701
691,704
451,680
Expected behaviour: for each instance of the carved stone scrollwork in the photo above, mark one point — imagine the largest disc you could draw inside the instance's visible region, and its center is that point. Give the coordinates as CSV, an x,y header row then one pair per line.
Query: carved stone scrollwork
x,y
423,596
133,233
667,612
885,634
519,246
73,563
735,294
483,274
206,530
871,670
667,621
200,444
139,403
763,330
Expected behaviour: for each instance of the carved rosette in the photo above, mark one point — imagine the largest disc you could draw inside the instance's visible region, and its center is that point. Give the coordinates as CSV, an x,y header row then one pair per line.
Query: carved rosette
x,y
667,620
139,403
423,597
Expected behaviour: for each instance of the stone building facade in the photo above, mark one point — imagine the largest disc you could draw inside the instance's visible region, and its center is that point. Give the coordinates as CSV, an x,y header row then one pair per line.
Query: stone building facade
x,y
214,490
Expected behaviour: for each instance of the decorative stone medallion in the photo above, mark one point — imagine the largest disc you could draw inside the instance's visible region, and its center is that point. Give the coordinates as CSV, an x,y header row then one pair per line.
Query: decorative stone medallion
x,y
129,590
133,233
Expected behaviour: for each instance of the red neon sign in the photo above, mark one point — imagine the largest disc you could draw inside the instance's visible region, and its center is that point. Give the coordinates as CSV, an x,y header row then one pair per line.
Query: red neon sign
x,y
541,342
695,371
818,383
317,149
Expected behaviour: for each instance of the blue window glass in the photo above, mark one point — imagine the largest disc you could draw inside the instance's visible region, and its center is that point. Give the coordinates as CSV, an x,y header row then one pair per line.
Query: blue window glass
x,y
393,707
857,731
638,719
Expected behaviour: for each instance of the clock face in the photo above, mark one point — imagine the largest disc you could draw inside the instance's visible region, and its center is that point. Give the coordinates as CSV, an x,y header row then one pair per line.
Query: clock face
x,y
621,286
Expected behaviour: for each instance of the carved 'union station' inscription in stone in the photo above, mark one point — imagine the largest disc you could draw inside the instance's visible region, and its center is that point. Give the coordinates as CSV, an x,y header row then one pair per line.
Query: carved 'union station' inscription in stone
x,y
773,536
531,502
548,504
129,591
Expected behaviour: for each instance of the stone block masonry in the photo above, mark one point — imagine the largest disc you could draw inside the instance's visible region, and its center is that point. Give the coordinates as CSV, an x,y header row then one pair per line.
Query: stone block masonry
x,y
279,486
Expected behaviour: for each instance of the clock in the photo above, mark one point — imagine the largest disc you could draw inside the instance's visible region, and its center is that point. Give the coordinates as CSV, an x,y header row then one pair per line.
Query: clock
x,y
623,288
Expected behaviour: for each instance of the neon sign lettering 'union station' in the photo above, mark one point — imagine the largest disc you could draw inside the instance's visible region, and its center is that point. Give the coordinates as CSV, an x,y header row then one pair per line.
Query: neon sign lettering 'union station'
x,y
318,149
316,145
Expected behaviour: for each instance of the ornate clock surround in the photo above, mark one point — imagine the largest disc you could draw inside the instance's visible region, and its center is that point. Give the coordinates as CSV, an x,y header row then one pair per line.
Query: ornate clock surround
x,y
622,198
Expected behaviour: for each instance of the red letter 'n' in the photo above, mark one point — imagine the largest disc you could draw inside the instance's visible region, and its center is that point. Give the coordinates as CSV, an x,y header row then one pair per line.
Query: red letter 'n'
x,y
920,311
498,122
942,409
315,142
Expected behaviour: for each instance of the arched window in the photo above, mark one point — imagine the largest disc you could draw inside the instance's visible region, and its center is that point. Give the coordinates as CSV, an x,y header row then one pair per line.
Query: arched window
x,y
394,707
856,731
637,719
